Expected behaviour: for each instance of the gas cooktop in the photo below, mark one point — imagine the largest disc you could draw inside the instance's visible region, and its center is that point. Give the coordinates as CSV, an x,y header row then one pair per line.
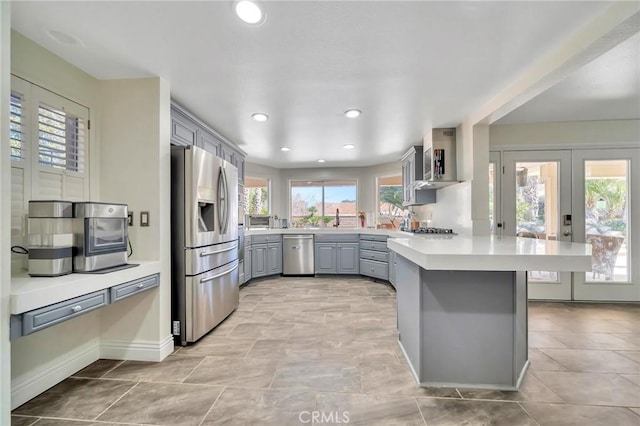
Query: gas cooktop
x,y
423,230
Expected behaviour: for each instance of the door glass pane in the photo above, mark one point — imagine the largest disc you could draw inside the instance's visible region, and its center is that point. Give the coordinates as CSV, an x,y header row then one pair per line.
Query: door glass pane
x,y
606,218
537,207
492,206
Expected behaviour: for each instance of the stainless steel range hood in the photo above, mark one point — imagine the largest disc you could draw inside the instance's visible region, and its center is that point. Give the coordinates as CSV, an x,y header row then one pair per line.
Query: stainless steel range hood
x,y
433,184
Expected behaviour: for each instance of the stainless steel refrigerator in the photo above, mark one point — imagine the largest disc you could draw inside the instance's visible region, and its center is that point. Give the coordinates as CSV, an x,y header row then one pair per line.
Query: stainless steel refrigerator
x,y
204,234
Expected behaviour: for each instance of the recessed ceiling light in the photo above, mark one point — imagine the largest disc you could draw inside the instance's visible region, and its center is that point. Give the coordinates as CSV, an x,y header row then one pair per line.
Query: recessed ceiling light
x,y
352,113
349,146
249,12
321,161
260,116
285,148
64,38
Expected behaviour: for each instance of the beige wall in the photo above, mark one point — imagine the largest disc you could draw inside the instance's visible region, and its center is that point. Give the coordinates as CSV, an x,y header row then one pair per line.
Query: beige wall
x,y
135,162
605,133
5,215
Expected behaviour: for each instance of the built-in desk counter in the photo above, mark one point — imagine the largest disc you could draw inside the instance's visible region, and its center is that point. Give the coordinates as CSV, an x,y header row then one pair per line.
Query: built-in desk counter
x,y
39,302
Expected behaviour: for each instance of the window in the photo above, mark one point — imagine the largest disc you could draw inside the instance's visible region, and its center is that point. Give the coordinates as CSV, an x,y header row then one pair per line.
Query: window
x,y
61,139
16,127
256,196
390,208
316,203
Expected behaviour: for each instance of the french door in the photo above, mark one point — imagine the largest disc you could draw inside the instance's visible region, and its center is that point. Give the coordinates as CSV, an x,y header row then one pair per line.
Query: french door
x,y
606,203
536,194
582,196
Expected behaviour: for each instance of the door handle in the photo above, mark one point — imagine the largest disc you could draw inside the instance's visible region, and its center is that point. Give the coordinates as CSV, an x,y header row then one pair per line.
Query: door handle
x,y
213,277
211,253
567,233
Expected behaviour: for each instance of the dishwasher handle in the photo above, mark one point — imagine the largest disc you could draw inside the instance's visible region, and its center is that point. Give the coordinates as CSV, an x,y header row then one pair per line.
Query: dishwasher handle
x,y
297,237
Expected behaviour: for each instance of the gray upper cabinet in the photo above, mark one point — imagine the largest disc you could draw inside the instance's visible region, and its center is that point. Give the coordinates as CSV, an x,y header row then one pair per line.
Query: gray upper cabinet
x,y
186,129
226,153
412,171
208,142
183,130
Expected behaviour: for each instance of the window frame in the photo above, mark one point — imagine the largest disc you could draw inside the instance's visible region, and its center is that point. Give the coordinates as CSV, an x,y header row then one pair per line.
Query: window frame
x,y
377,193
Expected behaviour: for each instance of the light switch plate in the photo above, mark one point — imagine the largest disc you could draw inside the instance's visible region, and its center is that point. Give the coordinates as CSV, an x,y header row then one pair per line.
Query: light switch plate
x,y
144,218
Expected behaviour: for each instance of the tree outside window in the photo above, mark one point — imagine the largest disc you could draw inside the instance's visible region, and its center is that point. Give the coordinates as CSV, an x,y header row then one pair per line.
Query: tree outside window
x,y
256,195
390,208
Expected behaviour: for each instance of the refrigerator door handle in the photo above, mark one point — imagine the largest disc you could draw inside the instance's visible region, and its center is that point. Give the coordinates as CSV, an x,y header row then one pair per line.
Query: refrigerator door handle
x,y
213,277
222,201
211,253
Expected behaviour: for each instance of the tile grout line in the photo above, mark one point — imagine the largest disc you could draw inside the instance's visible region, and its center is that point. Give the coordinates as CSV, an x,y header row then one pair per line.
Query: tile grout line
x,y
212,405
420,411
527,413
114,402
194,369
94,421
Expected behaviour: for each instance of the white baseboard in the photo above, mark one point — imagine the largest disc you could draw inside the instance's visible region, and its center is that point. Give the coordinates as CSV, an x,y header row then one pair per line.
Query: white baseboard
x,y
40,379
137,350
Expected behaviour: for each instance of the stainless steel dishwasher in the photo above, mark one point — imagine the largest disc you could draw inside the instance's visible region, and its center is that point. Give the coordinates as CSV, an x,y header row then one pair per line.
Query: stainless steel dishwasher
x,y
297,255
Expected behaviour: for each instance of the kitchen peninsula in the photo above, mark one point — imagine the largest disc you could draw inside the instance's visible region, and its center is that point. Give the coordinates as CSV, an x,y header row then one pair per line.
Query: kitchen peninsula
x,y
462,305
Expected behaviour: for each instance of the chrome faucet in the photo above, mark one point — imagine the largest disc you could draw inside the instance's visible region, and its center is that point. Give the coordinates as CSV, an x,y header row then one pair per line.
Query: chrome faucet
x,y
337,221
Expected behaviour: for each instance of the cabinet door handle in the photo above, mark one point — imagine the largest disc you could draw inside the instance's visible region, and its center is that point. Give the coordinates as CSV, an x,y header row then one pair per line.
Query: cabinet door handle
x,y
76,308
140,286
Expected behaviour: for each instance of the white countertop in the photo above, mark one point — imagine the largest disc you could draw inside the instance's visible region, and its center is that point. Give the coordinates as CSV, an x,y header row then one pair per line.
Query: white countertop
x,y
324,231
28,293
492,253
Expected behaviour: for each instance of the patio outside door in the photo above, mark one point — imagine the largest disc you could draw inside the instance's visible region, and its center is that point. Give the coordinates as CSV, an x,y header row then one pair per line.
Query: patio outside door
x,y
536,193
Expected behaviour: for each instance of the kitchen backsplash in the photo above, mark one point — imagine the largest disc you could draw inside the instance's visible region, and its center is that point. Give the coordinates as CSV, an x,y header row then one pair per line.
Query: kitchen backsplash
x,y
452,209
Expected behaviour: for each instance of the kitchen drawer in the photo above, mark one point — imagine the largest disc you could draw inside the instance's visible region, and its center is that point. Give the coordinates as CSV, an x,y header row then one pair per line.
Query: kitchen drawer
x,y
53,314
336,238
261,239
122,291
373,268
373,245
371,237
381,256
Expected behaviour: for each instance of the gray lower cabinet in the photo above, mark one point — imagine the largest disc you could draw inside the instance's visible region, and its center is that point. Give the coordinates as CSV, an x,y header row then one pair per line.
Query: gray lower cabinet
x,y
274,258
393,265
347,256
248,259
374,256
39,319
266,255
325,258
336,254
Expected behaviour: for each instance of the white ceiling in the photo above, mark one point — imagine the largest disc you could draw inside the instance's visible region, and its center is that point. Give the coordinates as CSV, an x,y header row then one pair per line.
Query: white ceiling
x,y
607,88
409,66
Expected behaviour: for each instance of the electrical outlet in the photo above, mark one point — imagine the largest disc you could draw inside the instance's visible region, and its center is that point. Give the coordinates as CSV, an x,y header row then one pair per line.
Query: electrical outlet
x,y
176,328
130,218
144,218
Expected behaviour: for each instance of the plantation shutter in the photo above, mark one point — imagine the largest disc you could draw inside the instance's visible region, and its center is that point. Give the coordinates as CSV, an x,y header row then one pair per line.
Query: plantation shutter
x,y
17,138
61,139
